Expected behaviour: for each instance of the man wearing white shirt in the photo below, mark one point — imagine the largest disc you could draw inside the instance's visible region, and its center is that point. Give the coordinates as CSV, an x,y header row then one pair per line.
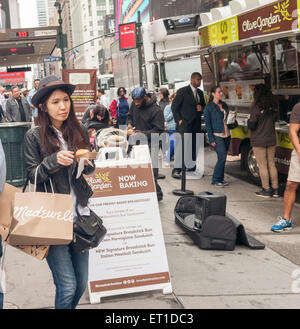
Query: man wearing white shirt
x,y
31,94
102,99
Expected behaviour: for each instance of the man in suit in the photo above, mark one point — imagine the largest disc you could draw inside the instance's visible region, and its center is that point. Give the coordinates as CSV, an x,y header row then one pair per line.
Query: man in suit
x,y
17,107
187,109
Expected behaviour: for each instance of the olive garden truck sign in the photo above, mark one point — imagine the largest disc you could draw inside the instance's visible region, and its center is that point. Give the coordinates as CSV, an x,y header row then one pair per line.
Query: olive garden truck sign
x,y
278,17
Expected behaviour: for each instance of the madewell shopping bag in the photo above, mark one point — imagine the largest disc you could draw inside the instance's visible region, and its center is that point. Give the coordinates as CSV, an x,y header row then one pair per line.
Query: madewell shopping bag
x,y
41,218
38,252
6,211
6,203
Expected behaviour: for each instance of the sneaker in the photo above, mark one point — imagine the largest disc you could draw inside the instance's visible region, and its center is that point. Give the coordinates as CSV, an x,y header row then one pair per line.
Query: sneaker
x,y
225,183
193,175
218,185
282,225
275,193
267,194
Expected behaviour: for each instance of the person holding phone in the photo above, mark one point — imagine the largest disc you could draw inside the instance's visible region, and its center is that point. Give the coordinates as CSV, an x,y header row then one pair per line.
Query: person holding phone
x,y
215,116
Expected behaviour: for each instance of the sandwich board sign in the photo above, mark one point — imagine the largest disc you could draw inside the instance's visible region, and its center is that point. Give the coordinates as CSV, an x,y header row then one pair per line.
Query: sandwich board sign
x,y
132,257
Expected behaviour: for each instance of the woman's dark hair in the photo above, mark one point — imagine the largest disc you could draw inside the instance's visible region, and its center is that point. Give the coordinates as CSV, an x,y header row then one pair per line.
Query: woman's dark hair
x,y
102,111
213,90
71,129
263,98
165,93
119,90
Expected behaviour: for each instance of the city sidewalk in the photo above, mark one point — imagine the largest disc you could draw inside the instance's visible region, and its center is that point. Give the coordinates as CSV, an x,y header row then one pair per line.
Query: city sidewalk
x,y
242,278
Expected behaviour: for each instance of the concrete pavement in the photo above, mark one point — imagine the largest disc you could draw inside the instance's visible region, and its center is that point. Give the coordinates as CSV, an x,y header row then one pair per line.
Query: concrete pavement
x,y
242,278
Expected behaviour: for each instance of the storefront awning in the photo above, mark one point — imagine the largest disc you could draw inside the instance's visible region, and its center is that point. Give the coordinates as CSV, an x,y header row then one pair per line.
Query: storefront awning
x,y
27,46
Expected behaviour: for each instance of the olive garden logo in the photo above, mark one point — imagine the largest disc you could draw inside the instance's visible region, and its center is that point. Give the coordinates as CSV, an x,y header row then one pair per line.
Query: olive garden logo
x,y
280,14
100,182
282,8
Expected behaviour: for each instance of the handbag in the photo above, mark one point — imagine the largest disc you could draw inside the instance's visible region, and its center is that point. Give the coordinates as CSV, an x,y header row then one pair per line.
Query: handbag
x,y
88,231
233,125
40,218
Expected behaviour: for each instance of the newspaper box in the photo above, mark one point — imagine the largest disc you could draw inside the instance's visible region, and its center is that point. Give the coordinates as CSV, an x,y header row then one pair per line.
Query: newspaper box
x,y
132,257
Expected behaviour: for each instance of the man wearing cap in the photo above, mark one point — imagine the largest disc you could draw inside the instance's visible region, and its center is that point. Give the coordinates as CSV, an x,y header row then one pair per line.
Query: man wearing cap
x,y
145,117
17,107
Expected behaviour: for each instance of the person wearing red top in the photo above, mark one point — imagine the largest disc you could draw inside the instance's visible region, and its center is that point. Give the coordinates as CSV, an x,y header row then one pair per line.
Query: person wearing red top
x,y
119,108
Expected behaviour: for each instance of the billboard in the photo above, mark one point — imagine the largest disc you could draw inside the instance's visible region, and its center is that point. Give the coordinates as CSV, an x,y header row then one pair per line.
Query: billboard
x,y
4,15
127,10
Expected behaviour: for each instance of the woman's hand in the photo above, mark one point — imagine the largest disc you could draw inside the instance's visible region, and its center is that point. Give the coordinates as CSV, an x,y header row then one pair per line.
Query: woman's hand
x,y
65,158
214,144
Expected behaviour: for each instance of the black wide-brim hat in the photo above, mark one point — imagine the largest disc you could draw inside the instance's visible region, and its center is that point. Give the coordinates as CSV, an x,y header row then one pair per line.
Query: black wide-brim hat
x,y
48,85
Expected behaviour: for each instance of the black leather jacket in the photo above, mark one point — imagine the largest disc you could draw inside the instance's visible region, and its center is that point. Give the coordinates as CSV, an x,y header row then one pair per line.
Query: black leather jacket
x,y
61,176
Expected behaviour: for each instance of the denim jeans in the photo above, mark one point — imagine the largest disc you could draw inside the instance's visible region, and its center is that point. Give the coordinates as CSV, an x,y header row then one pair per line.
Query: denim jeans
x,y
172,141
1,301
70,275
221,149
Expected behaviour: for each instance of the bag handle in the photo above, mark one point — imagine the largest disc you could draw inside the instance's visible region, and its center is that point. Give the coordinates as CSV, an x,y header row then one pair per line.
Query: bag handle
x,y
35,183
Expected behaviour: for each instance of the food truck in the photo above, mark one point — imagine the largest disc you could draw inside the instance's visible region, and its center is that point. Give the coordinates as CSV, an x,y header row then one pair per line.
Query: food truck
x,y
259,45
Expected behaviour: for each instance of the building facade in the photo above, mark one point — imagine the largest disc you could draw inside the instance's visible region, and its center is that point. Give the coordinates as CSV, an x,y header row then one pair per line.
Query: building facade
x,y
42,12
66,29
9,14
88,24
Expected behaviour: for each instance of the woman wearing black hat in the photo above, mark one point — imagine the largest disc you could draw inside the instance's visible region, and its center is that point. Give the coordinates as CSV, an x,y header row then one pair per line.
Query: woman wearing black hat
x,y
51,146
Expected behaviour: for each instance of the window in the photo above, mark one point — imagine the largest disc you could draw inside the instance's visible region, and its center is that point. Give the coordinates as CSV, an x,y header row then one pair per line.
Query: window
x,y
179,70
287,56
243,63
240,69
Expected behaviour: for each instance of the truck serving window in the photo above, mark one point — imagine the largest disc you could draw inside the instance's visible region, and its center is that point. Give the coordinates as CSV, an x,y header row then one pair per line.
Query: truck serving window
x,y
287,58
243,63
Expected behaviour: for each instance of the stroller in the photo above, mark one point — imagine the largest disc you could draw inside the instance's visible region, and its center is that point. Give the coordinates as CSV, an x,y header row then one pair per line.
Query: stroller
x,y
111,137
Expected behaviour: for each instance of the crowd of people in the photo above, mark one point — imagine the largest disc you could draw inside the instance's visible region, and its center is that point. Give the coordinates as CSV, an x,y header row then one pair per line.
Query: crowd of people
x,y
16,104
50,147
